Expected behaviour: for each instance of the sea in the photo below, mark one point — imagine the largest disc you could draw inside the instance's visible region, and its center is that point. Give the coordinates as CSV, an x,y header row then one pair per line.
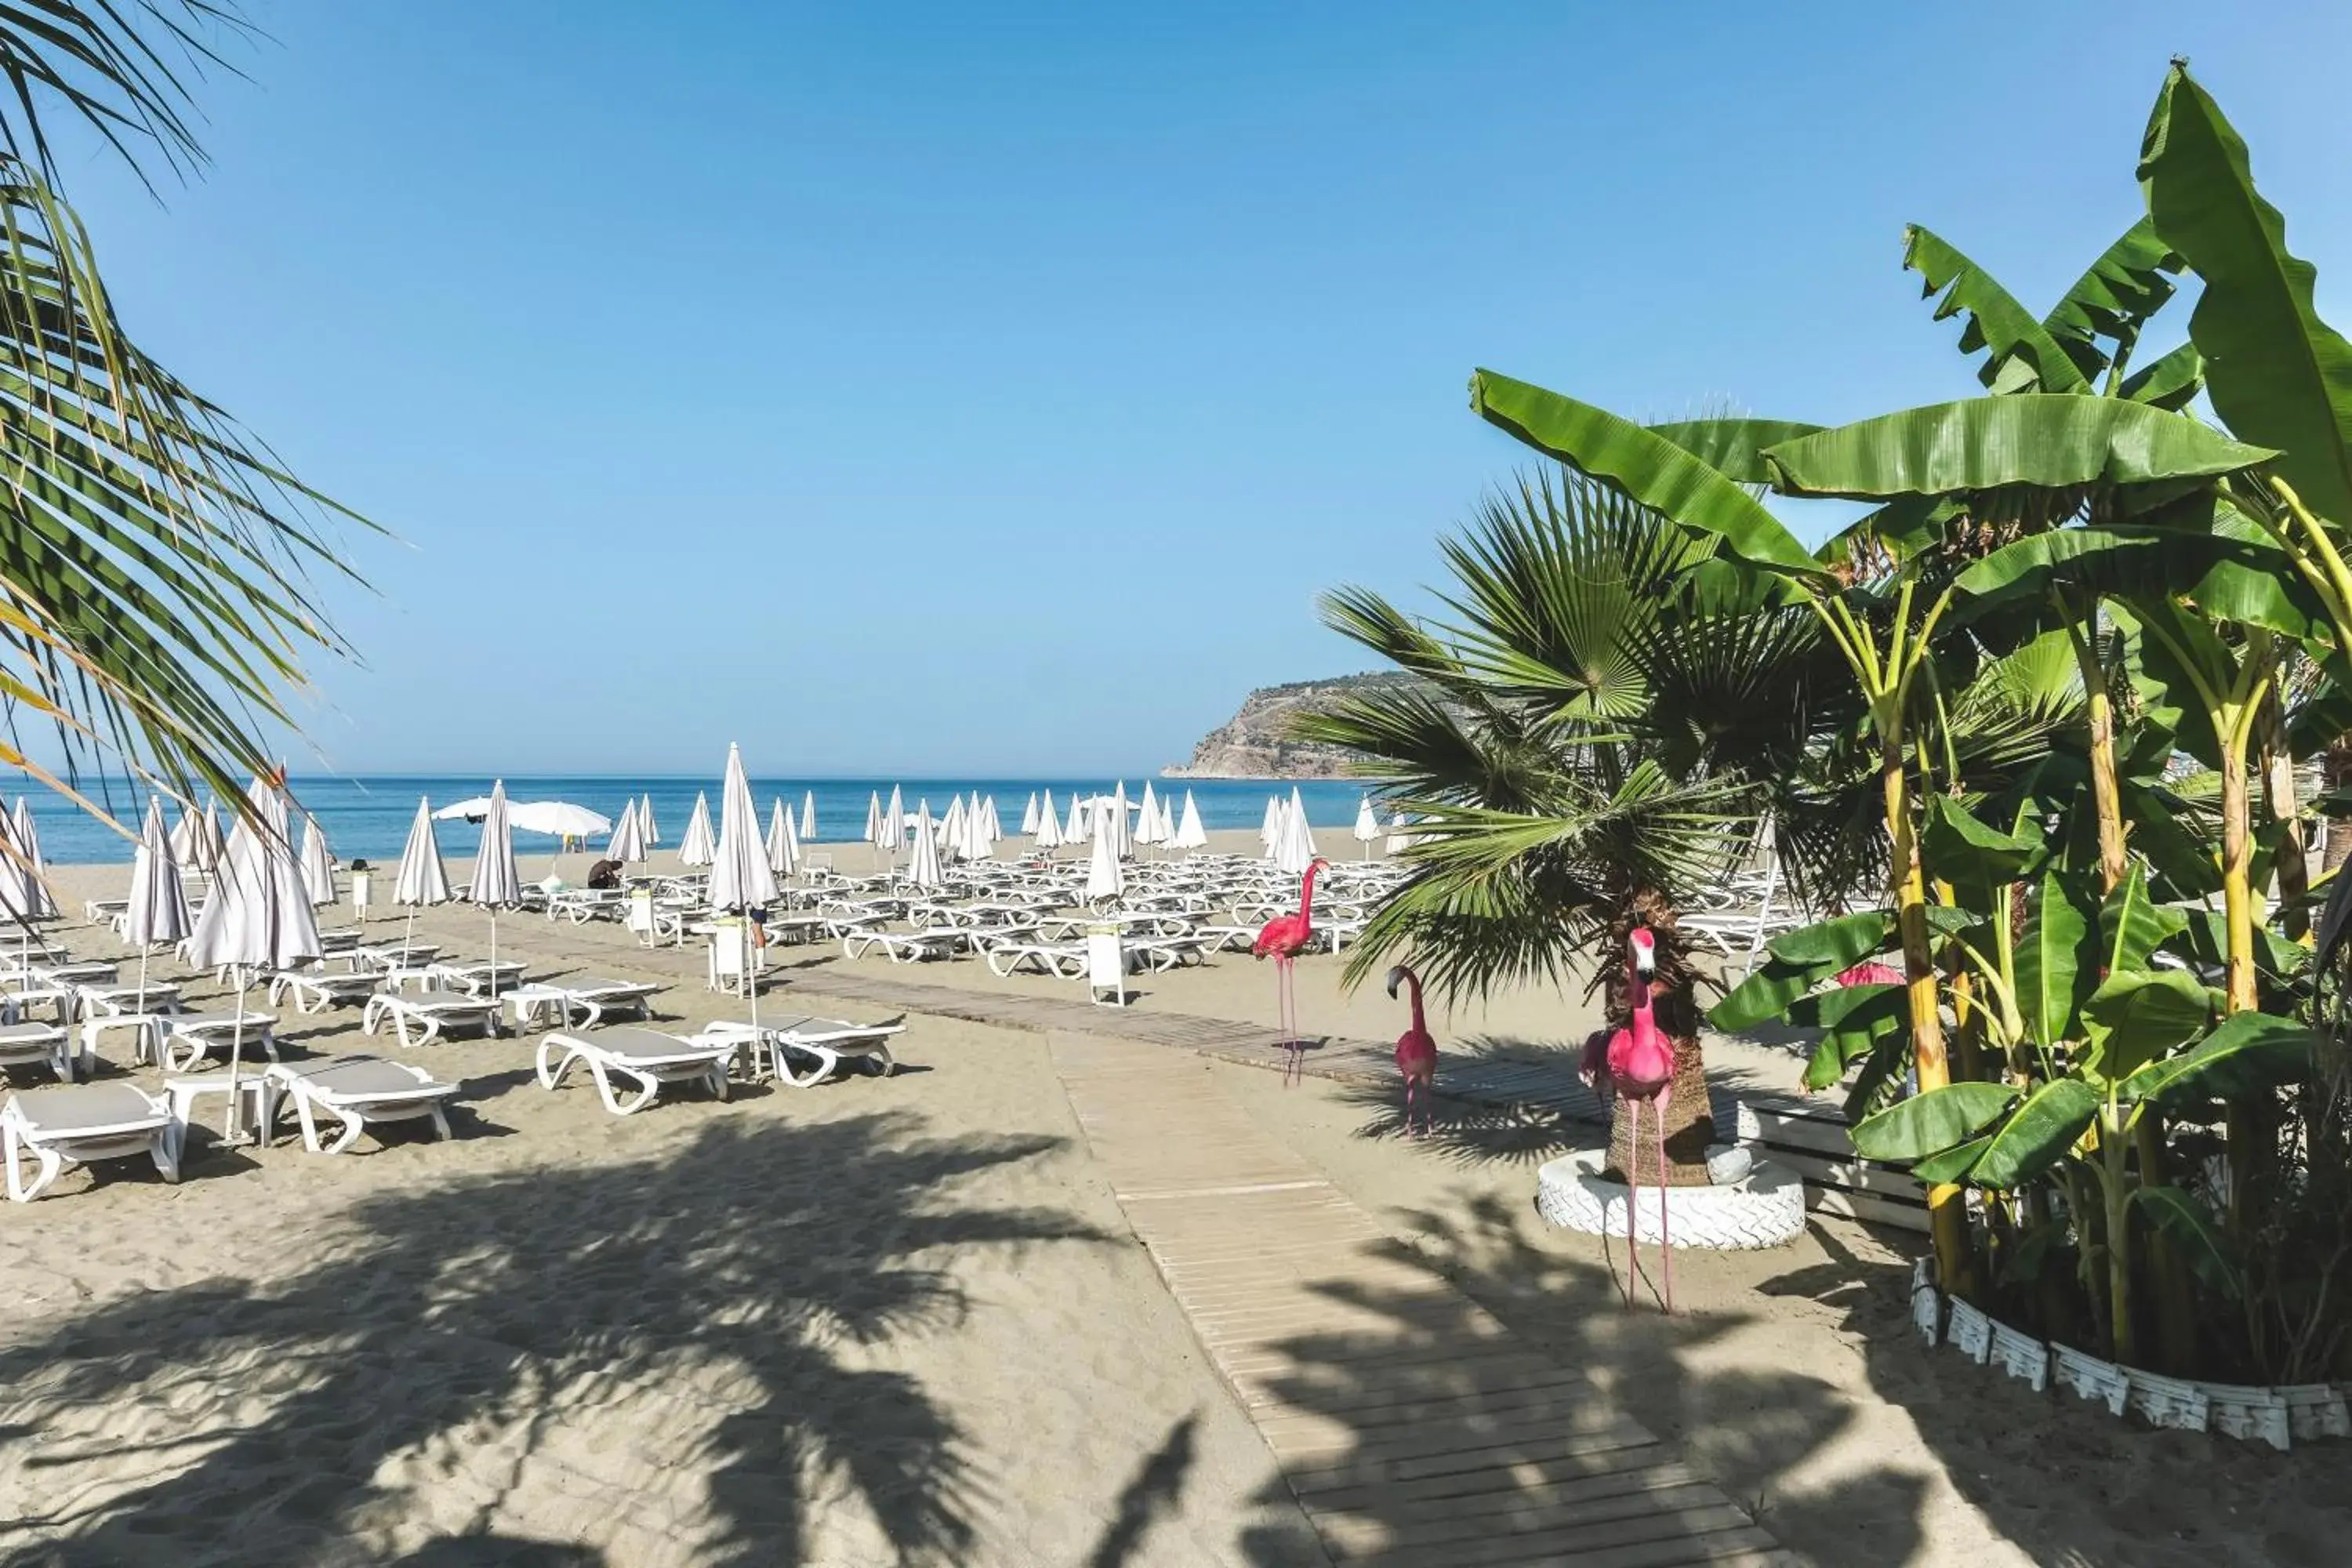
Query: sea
x,y
368,818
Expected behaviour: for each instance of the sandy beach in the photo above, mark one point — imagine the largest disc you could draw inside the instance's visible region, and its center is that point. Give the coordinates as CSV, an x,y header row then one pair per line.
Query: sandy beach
x,y
902,1319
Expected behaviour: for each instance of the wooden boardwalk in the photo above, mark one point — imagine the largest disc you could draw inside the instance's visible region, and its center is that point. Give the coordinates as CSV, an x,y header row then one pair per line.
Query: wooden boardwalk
x,y
1411,1426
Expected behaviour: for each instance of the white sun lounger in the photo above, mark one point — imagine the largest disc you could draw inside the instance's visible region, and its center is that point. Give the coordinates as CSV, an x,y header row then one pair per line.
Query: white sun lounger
x,y
393,955
593,998
431,1015
316,990
359,1090
75,1125
188,1037
906,946
479,977
647,1057
1065,960
45,1044
824,1045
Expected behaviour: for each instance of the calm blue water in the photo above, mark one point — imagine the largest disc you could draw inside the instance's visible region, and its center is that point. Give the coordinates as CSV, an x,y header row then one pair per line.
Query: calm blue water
x,y
369,818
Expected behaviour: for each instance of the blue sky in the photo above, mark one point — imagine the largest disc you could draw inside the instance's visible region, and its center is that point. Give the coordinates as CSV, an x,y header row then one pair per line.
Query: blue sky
x,y
991,388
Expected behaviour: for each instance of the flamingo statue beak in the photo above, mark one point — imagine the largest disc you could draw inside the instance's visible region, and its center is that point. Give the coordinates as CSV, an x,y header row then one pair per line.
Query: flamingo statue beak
x,y
1396,978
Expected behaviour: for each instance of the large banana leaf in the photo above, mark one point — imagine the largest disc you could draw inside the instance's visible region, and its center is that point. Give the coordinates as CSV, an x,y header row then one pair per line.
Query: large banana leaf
x,y
2129,283
2229,577
2187,1224
2032,440
2037,1135
2025,357
2057,951
1931,1123
2248,1053
2275,371
1653,470
2172,382
1734,447
2136,1016
2133,925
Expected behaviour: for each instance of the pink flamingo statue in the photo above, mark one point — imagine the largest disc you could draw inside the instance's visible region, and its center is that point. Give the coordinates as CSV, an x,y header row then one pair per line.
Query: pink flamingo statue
x,y
1283,938
1416,1052
1636,1064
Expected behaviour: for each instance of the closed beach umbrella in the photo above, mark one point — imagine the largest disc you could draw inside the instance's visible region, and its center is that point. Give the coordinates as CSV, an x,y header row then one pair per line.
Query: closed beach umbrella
x,y
1147,828
1296,849
1046,833
318,866
808,818
784,851
698,848
1121,832
954,835
1075,828
742,881
646,823
1104,880
1398,839
874,819
16,895
495,884
628,841
1029,815
1190,834
188,845
991,828
923,865
1368,826
158,905
1270,829
894,823
258,918
423,880
28,844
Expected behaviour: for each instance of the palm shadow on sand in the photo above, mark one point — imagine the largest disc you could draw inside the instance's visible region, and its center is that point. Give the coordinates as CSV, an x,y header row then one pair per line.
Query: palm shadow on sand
x,y
663,1291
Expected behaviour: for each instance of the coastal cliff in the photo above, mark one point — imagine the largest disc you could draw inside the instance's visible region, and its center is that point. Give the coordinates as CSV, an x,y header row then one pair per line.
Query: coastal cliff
x,y
1256,743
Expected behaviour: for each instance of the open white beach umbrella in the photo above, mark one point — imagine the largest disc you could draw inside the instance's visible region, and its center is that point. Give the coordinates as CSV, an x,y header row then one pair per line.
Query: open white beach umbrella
x,y
1398,839
808,818
698,847
258,918
923,865
628,841
783,850
28,844
1104,877
318,865
1190,834
421,879
1046,832
158,905
894,823
495,884
646,823
1029,815
1368,826
557,819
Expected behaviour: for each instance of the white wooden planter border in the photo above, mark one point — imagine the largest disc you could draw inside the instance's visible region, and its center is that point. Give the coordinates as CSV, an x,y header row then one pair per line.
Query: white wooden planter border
x,y
2278,1417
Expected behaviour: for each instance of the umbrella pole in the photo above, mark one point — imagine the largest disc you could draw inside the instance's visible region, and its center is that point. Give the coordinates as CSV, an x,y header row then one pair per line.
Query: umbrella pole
x,y
408,937
494,965
236,1054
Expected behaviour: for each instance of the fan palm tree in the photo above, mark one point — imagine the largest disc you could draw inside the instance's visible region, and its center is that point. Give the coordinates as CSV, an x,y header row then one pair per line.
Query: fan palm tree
x,y
1602,711
157,561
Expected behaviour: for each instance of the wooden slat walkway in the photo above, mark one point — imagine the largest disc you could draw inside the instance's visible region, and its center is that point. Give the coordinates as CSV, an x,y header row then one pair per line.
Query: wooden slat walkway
x,y
1412,1426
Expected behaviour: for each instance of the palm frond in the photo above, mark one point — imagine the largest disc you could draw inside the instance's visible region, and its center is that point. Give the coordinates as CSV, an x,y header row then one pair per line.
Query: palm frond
x,y
111,65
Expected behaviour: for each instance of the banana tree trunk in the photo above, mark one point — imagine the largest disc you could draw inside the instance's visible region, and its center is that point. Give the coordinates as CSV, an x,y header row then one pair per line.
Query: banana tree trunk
x,y
2237,879
1948,1215
2293,870
2099,709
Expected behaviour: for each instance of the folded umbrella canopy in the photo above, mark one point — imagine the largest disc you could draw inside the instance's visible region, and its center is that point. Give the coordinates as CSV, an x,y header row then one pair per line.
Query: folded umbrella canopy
x,y
923,865
1368,826
258,918
1074,830
646,823
874,817
15,887
741,878
1294,848
28,844
1147,829
423,880
628,841
158,911
495,883
783,850
1045,831
1029,814
1104,877
1190,834
1270,829
808,818
318,866
698,847
894,824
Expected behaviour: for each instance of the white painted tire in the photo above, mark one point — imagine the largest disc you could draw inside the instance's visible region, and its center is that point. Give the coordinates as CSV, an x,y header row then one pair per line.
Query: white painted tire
x,y
1764,1208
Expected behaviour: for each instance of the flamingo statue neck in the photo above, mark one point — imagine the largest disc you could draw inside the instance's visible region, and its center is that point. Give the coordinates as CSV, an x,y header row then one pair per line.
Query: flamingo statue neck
x,y
1307,896
1412,984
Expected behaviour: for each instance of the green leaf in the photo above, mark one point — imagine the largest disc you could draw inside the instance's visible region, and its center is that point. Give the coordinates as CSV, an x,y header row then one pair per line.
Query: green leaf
x,y
1651,468
2032,440
2025,357
2056,950
1853,1019
2038,1134
2173,381
1732,447
1975,858
1932,1122
1833,944
2185,1222
1952,1164
2275,373
2137,1015
2249,1051
2133,925
2129,283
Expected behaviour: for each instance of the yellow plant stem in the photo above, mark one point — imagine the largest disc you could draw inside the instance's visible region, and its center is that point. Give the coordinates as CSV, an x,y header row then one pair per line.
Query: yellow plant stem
x,y
2099,709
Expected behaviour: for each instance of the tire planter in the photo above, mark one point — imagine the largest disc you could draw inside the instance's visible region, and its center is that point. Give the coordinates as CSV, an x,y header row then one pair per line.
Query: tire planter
x,y
1764,1208
2277,1417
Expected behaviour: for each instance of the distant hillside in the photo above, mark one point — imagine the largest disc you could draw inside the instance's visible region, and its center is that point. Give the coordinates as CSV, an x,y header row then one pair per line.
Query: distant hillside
x,y
1256,743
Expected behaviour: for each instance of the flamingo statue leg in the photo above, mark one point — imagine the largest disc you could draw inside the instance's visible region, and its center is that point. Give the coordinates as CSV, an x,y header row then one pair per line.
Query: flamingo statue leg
x,y
1665,1236
1632,1105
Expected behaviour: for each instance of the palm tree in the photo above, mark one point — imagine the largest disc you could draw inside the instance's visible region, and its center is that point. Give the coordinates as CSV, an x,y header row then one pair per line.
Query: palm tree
x,y
1604,710
157,561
